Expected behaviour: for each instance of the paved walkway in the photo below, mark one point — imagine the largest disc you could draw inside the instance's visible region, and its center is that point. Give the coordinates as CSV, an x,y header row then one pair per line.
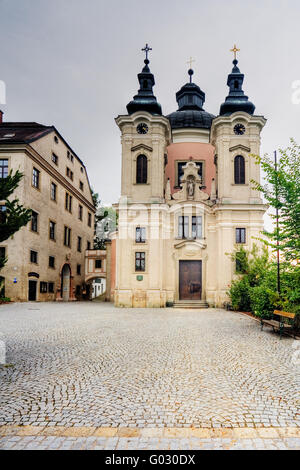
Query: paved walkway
x,y
92,365
91,438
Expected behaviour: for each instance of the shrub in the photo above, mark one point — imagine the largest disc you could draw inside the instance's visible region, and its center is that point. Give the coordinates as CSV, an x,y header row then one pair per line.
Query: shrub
x,y
239,293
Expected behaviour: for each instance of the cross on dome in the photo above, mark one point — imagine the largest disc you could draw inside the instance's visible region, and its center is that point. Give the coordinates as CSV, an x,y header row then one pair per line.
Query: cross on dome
x,y
235,50
146,49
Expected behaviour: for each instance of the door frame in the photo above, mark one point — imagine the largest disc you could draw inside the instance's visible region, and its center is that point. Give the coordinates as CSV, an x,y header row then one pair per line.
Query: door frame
x,y
36,290
202,272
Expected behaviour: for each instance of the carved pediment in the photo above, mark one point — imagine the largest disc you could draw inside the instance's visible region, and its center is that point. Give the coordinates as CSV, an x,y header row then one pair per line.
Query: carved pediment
x,y
141,147
239,146
190,245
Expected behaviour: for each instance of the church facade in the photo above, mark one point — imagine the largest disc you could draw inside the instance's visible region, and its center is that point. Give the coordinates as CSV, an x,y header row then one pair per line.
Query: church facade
x,y
186,199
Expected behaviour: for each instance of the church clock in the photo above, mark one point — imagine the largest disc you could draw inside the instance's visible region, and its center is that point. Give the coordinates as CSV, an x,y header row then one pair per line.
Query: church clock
x,y
142,128
239,129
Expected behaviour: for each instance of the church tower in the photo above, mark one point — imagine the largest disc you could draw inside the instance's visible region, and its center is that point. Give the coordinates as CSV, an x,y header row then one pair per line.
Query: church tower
x,y
235,134
145,135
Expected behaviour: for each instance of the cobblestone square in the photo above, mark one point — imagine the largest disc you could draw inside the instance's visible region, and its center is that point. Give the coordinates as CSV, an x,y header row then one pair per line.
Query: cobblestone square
x,y
91,365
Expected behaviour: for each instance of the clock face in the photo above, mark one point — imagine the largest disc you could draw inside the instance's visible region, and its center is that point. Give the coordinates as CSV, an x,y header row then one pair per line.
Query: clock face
x,y
239,129
142,128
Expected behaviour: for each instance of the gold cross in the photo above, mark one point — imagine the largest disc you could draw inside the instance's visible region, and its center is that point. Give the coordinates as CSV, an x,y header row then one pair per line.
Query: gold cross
x,y
191,62
235,50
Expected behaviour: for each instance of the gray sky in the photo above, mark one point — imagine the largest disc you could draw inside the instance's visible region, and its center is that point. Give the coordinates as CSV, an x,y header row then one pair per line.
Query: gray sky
x,y
74,64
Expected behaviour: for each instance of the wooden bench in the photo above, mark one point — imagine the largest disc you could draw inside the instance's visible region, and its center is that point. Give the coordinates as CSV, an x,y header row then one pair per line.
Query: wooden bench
x,y
281,324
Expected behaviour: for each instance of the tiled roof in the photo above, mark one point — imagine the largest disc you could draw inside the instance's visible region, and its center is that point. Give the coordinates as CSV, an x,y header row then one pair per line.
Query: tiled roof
x,y
22,132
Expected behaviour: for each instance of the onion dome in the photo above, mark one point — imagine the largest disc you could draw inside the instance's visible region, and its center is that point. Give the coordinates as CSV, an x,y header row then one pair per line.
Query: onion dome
x,y
145,99
190,113
236,100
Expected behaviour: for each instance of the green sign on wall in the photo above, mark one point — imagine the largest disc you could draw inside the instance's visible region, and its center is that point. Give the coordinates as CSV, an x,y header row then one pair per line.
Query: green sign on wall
x,y
139,278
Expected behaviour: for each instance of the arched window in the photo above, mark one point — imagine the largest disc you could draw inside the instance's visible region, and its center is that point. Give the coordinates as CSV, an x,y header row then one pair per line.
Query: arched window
x,y
239,170
141,169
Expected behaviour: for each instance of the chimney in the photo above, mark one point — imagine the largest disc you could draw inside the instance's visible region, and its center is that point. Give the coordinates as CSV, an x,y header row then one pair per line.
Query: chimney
x,y
1,116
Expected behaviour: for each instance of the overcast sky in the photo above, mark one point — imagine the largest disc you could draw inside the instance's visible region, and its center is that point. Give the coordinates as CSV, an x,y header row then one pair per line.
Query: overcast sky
x,y
74,64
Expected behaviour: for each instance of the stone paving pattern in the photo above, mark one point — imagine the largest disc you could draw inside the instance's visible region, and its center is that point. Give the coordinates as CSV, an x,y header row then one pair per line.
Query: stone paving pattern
x,y
90,364
91,438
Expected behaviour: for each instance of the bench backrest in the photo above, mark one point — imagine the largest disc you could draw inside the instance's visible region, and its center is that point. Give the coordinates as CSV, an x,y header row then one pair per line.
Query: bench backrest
x,y
284,314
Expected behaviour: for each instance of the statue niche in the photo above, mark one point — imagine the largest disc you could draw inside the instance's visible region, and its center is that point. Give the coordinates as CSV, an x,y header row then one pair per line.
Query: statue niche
x,y
190,185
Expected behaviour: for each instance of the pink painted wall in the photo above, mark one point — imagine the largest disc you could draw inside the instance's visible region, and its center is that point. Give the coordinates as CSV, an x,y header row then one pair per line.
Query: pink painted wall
x,y
191,151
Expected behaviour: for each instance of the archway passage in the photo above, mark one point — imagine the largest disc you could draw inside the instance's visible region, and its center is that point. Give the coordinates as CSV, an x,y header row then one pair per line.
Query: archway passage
x,y
65,282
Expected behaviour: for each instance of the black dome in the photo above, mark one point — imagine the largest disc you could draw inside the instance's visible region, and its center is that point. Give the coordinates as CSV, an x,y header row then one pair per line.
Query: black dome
x,y
191,118
236,100
190,113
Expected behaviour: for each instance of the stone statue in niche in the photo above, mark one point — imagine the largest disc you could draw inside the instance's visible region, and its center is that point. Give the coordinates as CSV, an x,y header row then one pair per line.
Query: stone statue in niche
x,y
190,185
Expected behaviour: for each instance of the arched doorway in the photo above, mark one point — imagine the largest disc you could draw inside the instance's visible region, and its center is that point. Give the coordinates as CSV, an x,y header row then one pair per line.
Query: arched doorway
x,y
65,282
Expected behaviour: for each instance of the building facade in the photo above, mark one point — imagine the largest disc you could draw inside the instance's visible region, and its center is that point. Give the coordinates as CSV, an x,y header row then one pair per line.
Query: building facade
x,y
186,198
46,258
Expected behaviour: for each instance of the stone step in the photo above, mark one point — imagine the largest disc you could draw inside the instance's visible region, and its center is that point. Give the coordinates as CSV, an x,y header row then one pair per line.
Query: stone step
x,y
191,304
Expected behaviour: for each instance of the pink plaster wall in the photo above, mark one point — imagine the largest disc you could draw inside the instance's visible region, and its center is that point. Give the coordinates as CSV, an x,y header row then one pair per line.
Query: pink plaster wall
x,y
191,151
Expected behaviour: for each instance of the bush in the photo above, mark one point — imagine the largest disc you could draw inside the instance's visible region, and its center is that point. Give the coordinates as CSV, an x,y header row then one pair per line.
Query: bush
x,y
263,301
239,294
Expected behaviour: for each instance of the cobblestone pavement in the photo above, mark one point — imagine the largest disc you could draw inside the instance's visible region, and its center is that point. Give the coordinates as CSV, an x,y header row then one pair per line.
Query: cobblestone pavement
x,y
90,364
87,438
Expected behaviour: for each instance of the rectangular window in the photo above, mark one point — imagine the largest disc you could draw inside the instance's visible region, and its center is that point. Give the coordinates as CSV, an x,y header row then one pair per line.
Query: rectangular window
x,y
140,264
183,226
67,236
51,262
81,185
33,256
80,212
53,191
69,173
70,156
3,168
43,287
78,269
51,287
52,227
140,234
68,202
240,235
98,263
88,245
55,158
79,239
34,221
89,219
197,227
35,178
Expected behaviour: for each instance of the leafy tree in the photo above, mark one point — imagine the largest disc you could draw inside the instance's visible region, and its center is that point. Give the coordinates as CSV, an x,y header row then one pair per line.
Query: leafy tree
x,y
15,216
105,222
282,192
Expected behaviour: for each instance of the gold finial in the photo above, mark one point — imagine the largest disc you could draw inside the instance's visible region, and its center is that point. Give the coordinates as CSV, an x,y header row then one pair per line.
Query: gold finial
x,y
235,50
190,62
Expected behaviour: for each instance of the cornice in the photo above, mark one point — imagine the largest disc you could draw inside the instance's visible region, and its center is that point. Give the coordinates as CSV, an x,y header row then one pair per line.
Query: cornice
x,y
36,157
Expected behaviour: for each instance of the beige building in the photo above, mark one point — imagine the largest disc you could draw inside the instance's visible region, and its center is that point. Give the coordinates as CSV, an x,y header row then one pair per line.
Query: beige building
x,y
46,259
186,200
